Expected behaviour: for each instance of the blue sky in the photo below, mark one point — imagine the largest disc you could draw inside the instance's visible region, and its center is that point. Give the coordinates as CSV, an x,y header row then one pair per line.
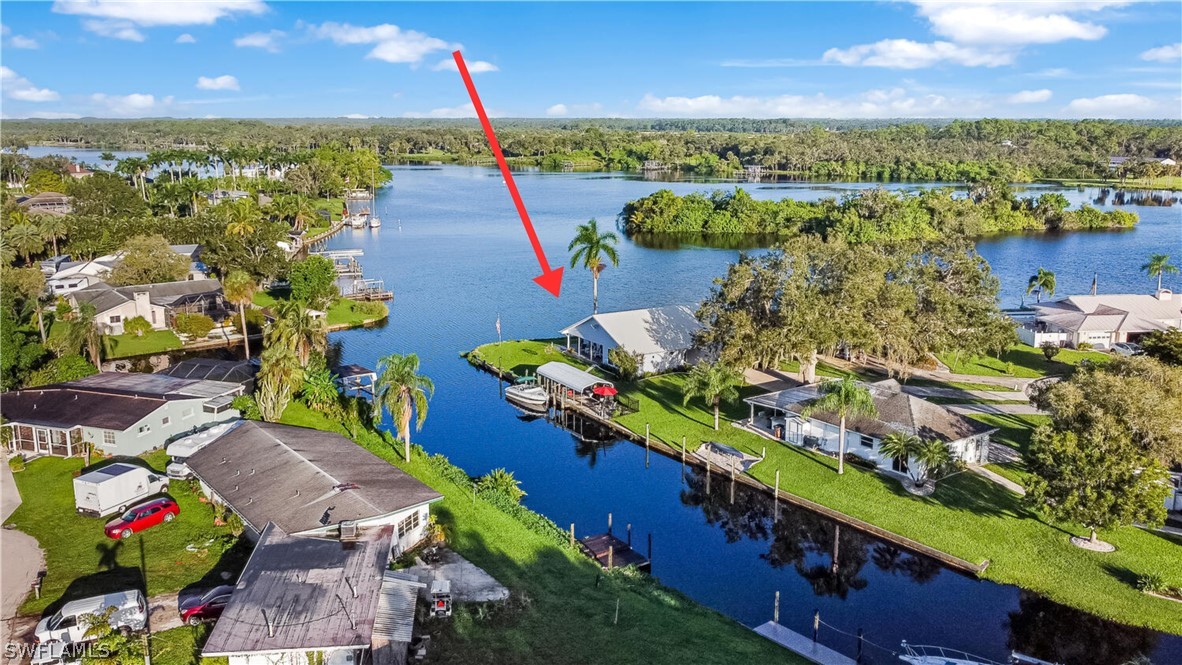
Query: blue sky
x,y
248,58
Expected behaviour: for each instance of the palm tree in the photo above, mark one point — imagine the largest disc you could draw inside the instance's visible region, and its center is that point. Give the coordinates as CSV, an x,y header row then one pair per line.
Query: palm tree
x,y
932,456
403,392
303,333
845,397
26,239
902,446
1044,281
713,382
280,372
242,216
137,169
591,247
53,228
84,333
1159,264
240,288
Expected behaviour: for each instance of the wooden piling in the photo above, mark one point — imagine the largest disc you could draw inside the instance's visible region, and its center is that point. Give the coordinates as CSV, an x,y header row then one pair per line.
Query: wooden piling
x,y
617,619
572,534
609,522
611,551
629,534
776,609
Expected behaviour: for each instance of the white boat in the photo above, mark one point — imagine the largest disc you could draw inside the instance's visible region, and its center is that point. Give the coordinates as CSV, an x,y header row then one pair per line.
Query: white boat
x,y
374,221
528,395
917,654
359,220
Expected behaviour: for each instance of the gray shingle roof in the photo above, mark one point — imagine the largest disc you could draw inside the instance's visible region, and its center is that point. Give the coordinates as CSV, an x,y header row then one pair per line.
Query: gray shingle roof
x,y
645,331
302,479
166,294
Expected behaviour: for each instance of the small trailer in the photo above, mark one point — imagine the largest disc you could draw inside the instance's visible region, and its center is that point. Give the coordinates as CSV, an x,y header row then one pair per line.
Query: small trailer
x,y
115,487
441,598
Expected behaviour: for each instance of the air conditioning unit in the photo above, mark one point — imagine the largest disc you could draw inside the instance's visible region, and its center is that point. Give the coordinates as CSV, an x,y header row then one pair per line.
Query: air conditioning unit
x,y
349,530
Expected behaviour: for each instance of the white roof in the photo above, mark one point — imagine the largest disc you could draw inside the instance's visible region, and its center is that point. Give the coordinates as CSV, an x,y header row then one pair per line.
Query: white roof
x,y
570,376
394,618
643,331
1113,312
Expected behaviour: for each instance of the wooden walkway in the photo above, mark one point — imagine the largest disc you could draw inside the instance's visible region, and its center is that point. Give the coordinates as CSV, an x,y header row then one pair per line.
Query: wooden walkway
x,y
611,552
802,646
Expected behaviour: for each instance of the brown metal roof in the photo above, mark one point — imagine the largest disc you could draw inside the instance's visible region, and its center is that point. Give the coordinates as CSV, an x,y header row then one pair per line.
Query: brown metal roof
x,y
63,406
302,479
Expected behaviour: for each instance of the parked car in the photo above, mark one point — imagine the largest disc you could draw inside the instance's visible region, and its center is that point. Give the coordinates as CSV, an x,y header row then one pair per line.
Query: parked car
x,y
143,516
69,623
115,487
1125,349
206,607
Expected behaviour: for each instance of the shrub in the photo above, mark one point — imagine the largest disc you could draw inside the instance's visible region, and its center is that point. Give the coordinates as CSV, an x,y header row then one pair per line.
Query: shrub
x,y
254,321
627,364
70,367
17,463
137,325
314,281
928,362
246,405
370,309
1156,583
1050,350
502,482
1084,346
193,325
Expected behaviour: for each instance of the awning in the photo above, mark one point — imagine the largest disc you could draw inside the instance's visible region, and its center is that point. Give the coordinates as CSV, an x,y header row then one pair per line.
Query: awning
x,y
395,617
570,376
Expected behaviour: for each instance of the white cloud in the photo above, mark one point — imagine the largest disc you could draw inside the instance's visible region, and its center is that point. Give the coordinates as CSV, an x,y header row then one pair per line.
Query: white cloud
x,y
879,103
124,30
1164,53
1013,23
1051,73
474,67
149,13
135,105
186,38
268,41
19,88
390,43
356,116
1112,106
908,54
224,82
461,111
21,41
1029,96
567,110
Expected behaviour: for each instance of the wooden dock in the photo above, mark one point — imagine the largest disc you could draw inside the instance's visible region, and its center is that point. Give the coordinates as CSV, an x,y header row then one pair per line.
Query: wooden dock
x,y
611,552
803,646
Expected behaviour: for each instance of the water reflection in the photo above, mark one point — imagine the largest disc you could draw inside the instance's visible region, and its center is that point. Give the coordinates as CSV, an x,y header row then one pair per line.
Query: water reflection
x,y
1122,197
737,241
1052,632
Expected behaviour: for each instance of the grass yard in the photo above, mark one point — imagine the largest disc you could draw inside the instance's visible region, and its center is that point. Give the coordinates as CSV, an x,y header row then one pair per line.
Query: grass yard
x,y
525,356
968,516
557,613
974,400
1028,362
126,346
1014,430
353,313
81,561
959,385
182,646
1165,182
832,371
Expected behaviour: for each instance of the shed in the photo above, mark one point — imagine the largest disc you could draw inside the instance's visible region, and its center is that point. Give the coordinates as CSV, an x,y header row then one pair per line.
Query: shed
x,y
570,377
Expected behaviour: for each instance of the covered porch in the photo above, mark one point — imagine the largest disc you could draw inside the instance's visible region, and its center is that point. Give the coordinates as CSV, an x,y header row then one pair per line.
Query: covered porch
x,y
36,440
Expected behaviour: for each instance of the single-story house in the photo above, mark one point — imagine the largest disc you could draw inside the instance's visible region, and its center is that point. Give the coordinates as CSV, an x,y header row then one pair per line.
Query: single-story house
x,y
52,203
158,303
121,414
70,276
1116,161
778,414
317,601
1101,320
78,171
310,483
663,337
218,195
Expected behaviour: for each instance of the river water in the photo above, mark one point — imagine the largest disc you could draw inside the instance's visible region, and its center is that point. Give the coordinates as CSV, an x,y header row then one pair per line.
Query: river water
x,y
452,249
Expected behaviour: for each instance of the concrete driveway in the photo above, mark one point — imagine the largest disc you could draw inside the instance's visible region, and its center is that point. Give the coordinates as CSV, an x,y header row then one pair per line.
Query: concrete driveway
x,y
20,559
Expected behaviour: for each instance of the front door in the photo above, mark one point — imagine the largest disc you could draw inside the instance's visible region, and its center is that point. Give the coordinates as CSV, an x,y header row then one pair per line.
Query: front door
x,y
41,440
794,431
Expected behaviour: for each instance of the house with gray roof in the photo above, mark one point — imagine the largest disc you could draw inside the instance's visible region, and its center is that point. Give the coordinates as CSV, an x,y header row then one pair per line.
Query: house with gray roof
x,y
778,415
157,303
310,483
121,414
662,337
1101,320
304,600
69,276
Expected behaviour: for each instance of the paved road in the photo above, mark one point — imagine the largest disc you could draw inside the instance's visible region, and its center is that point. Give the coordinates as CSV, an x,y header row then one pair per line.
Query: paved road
x,y
957,393
1014,409
20,559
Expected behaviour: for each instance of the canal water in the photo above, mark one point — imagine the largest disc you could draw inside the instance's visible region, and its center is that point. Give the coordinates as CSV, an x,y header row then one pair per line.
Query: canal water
x,y
452,249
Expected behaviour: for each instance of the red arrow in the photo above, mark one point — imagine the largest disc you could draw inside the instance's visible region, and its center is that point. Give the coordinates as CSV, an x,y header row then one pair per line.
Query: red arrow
x,y
551,280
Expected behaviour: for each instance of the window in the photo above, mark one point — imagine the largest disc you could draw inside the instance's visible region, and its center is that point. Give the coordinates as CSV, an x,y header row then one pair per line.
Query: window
x,y
115,319
408,524
144,429
867,442
187,413
108,438
164,421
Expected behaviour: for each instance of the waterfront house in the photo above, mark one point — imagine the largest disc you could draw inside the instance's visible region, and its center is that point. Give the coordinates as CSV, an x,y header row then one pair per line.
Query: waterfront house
x,y
663,337
218,195
78,171
318,601
310,483
121,414
778,415
1116,161
50,203
69,276
157,303
1099,320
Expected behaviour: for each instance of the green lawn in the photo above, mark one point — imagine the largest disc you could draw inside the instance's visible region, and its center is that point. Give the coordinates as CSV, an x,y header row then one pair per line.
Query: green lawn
x,y
266,298
1014,430
1028,362
968,516
557,613
353,313
1165,182
525,356
182,646
81,561
126,346
974,400
959,385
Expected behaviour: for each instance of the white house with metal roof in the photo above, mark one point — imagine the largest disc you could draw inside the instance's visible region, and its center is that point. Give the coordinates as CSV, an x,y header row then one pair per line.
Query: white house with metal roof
x,y
663,337
1101,320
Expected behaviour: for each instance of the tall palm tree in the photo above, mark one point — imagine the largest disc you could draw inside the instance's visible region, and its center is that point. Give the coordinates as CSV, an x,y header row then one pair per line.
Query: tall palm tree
x,y
84,333
403,392
25,239
302,332
845,397
1043,281
713,382
1159,264
240,288
279,374
53,228
591,247
243,217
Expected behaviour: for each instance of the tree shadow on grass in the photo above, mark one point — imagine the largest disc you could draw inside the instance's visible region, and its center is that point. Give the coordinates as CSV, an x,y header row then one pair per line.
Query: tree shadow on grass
x,y
1122,574
231,562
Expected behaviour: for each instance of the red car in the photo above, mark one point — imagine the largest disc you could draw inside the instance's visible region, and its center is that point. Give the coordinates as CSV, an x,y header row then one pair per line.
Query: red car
x,y
143,516
197,609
